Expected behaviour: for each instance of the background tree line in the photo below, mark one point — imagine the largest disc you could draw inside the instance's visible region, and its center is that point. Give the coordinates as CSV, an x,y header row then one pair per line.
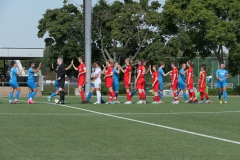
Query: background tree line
x,y
182,28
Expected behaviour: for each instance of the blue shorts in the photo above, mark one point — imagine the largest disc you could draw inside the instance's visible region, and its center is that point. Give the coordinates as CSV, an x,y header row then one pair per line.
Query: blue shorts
x,y
221,84
160,84
13,84
181,85
116,86
92,85
31,84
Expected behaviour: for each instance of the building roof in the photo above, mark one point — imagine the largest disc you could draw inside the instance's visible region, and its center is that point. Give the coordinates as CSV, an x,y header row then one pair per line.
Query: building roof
x,y
20,53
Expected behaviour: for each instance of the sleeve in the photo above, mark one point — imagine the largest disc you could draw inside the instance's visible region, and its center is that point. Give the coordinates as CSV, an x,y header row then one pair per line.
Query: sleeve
x,y
217,72
84,67
161,72
31,70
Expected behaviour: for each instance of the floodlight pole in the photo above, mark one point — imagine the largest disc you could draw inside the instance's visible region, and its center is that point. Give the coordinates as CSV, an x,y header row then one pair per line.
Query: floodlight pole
x,y
87,40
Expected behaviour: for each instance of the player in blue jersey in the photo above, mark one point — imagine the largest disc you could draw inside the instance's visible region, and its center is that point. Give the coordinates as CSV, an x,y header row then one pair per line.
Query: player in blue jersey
x,y
56,83
13,82
181,82
161,74
31,82
116,71
222,76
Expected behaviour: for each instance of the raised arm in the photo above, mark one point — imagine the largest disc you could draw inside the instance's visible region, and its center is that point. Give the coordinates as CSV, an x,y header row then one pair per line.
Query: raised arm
x,y
36,70
20,72
69,66
75,68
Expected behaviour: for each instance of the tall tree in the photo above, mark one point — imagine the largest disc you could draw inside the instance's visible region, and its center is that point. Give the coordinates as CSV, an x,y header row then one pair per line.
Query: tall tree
x,y
64,27
209,27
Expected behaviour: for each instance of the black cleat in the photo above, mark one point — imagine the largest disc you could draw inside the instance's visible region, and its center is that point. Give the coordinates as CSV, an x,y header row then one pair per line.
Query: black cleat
x,y
83,102
61,102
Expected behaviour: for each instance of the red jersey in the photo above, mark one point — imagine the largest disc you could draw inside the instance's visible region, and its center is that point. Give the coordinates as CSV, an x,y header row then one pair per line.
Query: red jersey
x,y
202,78
81,68
128,69
142,71
108,72
189,74
174,73
154,76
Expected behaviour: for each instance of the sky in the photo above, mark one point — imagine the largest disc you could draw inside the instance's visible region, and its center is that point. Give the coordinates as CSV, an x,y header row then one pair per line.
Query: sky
x,y
19,21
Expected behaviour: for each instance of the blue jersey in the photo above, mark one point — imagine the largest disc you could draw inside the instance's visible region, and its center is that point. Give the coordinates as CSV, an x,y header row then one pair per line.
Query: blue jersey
x,y
115,75
160,74
181,76
13,74
30,74
222,73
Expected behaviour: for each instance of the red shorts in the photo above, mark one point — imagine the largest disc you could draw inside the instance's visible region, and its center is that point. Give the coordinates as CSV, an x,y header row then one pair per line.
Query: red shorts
x,y
202,89
156,86
81,81
126,84
174,86
190,86
140,83
109,83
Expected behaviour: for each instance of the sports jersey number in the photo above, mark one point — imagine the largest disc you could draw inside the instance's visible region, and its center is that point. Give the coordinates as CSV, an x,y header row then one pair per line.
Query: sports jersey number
x,y
143,71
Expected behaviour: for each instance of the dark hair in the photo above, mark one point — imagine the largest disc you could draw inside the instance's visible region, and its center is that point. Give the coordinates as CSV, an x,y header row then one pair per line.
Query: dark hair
x,y
13,62
162,63
204,66
174,63
98,63
30,63
190,63
81,57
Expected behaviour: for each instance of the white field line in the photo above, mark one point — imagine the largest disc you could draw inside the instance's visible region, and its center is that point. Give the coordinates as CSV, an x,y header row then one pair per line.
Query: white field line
x,y
153,124
87,114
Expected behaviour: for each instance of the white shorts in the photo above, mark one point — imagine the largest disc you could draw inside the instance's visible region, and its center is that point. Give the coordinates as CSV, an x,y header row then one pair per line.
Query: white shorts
x,y
97,84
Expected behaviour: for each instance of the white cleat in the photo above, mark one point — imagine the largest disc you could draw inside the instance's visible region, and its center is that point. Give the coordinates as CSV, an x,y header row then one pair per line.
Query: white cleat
x,y
208,101
48,99
200,102
186,101
161,102
175,102
118,102
128,102
155,102
97,103
140,102
144,102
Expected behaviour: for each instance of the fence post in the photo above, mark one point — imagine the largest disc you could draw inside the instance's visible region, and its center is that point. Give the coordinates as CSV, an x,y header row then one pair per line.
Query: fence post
x,y
68,88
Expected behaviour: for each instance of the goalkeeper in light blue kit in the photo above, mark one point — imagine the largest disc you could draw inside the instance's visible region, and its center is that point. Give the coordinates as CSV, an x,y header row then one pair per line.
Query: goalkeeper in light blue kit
x,y
56,84
222,76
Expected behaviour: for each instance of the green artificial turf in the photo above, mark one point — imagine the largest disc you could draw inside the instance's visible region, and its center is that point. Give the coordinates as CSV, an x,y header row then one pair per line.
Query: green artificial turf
x,y
48,131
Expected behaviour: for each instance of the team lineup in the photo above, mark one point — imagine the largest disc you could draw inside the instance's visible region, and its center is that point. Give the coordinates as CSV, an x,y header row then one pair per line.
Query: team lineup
x,y
180,80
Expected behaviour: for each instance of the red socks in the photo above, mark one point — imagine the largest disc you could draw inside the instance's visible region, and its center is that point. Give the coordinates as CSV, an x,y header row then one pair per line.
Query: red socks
x,y
175,96
82,95
128,96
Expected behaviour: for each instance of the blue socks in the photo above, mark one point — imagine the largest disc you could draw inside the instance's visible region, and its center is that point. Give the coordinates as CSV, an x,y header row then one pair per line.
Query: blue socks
x,y
17,94
53,95
185,96
225,95
116,94
33,94
219,95
160,95
10,96
132,93
29,95
89,96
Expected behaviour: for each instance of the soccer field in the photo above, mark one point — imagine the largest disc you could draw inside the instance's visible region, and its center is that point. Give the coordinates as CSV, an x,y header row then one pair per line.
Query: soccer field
x,y
163,131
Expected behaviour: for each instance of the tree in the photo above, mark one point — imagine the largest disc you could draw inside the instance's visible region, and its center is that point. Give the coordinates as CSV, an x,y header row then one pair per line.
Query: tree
x,y
208,26
123,30
64,27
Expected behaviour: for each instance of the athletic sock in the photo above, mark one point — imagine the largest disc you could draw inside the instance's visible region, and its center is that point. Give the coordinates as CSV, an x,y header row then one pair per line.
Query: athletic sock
x,y
33,94
17,94
116,94
113,95
99,96
61,95
53,94
11,96
29,95
82,95
206,95
225,95
133,93
175,96
219,95
201,96
185,96
193,95
129,96
89,96
109,97
160,95
140,95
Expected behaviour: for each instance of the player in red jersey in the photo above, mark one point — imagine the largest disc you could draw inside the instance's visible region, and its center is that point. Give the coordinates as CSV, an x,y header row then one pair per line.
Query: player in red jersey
x,y
202,84
190,83
155,84
127,79
81,77
174,82
140,82
109,81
